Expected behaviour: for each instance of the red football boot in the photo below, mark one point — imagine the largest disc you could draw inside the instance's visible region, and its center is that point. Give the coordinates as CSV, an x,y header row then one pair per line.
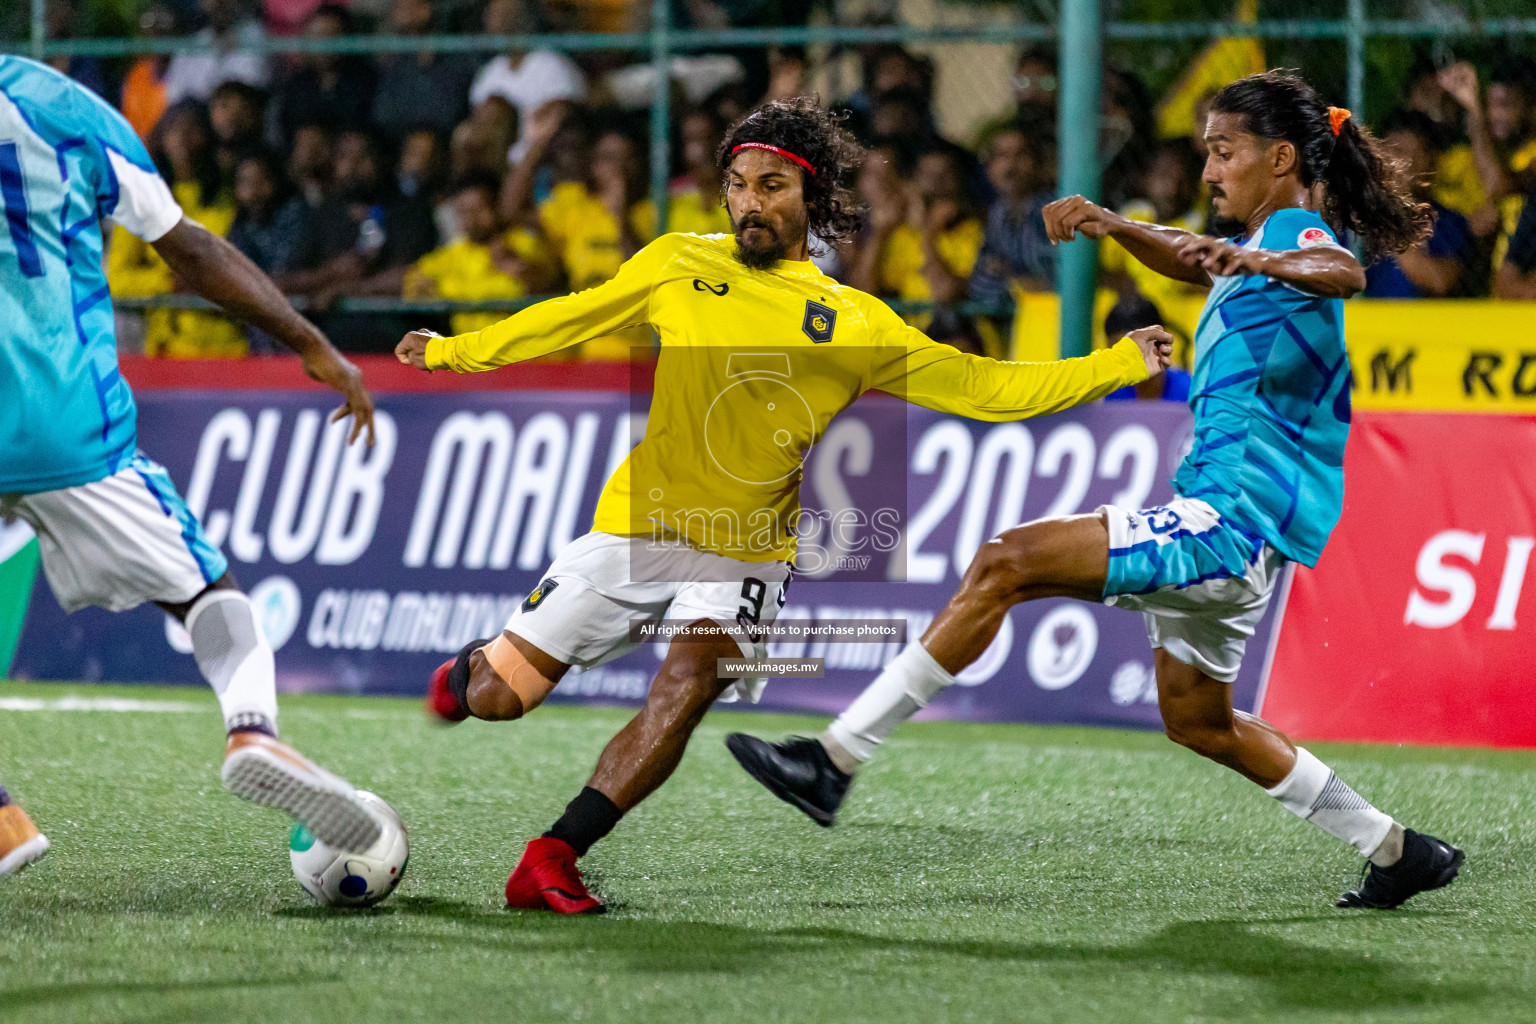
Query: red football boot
x,y
547,879
442,706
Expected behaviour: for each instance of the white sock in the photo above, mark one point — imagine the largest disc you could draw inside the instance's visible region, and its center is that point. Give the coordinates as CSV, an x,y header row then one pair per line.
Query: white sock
x,y
904,688
1312,792
235,658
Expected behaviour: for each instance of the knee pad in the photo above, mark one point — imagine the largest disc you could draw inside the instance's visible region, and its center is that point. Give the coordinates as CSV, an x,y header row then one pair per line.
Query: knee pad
x,y
529,684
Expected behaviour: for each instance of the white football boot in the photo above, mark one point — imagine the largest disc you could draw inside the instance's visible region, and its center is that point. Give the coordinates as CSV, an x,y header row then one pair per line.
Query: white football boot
x,y
269,772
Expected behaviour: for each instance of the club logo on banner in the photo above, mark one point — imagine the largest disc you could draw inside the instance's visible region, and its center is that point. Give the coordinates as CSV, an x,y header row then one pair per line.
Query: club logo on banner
x,y
1062,646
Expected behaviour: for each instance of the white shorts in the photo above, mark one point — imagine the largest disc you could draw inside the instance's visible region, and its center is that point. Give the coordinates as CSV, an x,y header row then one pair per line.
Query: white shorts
x,y
1202,582
602,584
119,541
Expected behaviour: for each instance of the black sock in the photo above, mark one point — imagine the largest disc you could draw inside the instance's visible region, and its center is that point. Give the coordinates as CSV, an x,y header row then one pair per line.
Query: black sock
x,y
5,797
586,820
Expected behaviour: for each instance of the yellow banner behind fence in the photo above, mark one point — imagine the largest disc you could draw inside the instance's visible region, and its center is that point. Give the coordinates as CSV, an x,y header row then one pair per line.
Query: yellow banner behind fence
x,y
1449,356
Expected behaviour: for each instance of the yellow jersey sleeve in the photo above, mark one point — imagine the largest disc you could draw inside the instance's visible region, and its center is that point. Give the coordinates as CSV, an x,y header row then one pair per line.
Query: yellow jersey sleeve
x,y
555,324
936,376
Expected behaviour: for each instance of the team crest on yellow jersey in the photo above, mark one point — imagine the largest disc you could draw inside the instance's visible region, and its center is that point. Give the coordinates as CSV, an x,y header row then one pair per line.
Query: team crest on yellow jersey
x,y
819,322
540,592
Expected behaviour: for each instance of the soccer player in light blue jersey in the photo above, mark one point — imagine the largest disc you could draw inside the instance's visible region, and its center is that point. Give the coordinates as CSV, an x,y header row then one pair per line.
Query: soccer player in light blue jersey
x,y
112,530
1262,486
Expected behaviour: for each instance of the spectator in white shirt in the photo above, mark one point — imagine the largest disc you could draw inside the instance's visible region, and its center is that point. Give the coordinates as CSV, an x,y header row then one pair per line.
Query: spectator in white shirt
x,y
196,75
526,80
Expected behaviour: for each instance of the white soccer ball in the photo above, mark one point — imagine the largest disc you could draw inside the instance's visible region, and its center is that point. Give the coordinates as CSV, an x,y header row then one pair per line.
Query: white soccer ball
x,y
346,878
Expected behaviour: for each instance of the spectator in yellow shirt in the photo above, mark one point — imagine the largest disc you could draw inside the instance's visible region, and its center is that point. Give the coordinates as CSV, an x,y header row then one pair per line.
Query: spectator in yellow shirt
x,y
612,220
1503,142
606,226
924,233
1170,195
488,261
1456,185
596,214
696,205
182,148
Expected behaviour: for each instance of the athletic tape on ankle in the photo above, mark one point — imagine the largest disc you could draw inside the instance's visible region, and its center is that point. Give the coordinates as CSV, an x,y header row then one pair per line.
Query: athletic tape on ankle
x,y
530,685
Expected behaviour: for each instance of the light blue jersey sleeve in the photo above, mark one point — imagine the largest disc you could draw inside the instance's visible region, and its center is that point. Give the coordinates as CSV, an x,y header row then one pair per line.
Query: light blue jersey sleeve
x,y
67,160
122,177
1270,393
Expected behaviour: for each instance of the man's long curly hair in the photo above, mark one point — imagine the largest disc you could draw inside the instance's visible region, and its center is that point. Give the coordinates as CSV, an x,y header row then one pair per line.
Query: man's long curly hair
x,y
810,131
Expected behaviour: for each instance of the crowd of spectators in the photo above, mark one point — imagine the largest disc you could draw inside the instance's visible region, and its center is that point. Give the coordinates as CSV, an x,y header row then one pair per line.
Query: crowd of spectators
x,y
493,176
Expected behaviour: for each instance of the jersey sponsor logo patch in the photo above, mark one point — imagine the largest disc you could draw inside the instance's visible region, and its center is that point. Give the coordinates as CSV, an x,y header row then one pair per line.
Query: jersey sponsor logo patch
x,y
540,592
1312,238
819,322
705,286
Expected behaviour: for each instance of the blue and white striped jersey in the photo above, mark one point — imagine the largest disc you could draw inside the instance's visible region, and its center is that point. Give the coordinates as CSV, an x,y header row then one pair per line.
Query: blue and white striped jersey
x,y
67,160
1270,393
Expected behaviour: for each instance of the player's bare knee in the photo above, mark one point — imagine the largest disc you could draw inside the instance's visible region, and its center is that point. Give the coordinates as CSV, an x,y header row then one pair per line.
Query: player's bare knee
x,y
489,697
503,683
1176,732
1002,567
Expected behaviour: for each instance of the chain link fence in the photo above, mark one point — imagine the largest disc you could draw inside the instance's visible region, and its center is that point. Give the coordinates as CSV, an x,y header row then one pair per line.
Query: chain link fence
x,y
930,85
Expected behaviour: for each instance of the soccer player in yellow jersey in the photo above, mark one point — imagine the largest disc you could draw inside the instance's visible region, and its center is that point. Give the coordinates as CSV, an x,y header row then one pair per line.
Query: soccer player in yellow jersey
x,y
695,526
489,262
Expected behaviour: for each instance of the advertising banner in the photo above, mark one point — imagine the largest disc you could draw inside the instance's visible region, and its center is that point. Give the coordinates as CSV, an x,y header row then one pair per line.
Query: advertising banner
x,y
1418,624
1450,355
371,567
18,568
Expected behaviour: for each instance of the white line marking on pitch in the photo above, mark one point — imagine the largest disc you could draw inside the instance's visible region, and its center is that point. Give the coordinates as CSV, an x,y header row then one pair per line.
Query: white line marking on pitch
x,y
96,704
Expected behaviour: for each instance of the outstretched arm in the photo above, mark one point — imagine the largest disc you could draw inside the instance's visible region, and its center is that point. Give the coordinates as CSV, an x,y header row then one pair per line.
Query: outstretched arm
x,y
1153,244
943,378
220,273
1330,271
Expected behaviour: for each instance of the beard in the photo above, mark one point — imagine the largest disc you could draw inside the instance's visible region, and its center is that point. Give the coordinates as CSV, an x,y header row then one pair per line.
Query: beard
x,y
1221,226
762,256
1225,227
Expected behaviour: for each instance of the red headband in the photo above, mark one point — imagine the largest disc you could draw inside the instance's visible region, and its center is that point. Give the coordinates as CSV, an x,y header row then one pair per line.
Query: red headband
x,y
786,154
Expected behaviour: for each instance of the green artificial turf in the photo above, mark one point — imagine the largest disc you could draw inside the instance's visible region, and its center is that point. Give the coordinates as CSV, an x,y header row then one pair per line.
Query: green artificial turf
x,y
989,873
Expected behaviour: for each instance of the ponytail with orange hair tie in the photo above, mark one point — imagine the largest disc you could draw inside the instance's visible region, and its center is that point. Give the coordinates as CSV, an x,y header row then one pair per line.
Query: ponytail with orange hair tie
x,y
1336,118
